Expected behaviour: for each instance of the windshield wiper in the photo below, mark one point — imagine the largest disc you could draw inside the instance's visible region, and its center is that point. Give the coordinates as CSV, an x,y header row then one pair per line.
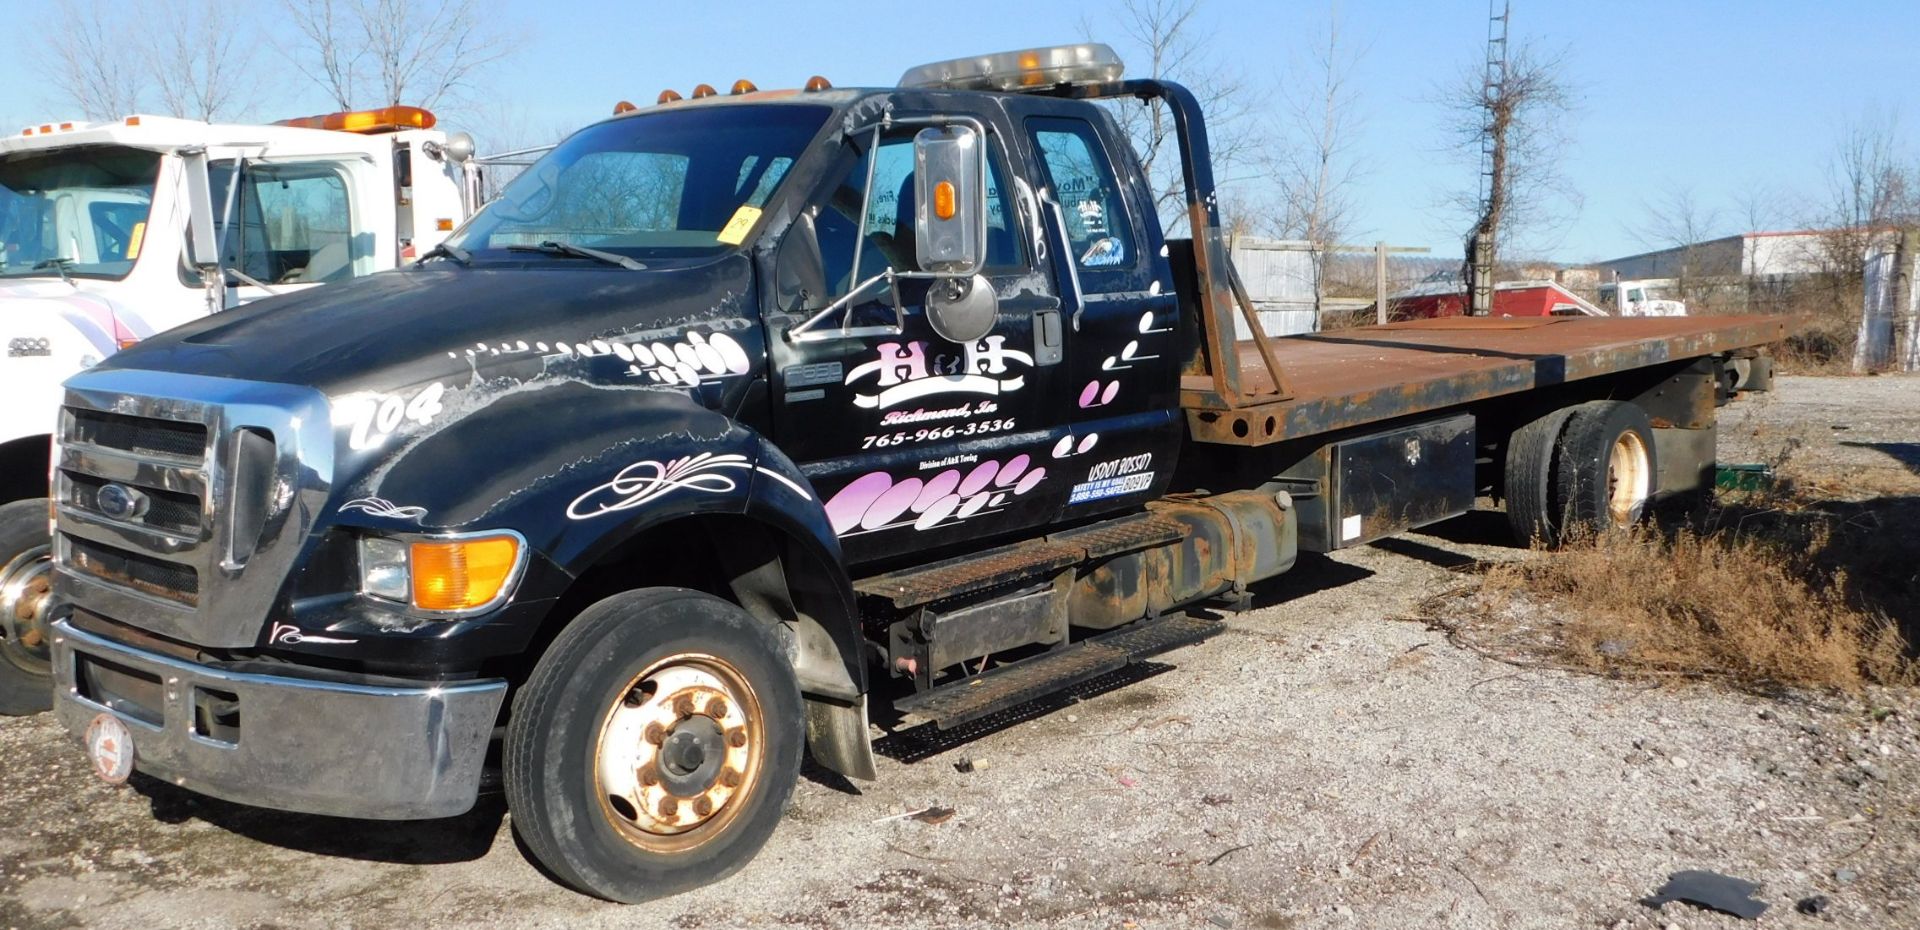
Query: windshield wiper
x,y
453,253
579,251
58,264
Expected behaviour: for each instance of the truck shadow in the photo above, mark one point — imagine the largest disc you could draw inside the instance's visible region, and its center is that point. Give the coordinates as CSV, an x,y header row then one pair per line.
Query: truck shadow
x,y
410,842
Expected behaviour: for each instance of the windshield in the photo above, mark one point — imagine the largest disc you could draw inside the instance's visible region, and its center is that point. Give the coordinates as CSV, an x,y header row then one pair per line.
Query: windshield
x,y
678,184
84,207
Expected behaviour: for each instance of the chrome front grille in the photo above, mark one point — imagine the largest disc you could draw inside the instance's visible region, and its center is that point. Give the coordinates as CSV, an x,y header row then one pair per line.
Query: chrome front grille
x,y
181,500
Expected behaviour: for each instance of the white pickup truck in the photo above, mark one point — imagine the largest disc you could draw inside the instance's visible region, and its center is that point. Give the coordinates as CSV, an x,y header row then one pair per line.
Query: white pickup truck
x,y
101,245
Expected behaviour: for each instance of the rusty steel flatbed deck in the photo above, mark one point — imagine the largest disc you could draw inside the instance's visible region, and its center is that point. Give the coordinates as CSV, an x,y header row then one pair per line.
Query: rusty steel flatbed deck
x,y
1352,377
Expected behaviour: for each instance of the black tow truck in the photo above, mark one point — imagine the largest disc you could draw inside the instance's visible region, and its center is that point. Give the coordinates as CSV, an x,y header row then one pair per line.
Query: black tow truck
x,y
743,418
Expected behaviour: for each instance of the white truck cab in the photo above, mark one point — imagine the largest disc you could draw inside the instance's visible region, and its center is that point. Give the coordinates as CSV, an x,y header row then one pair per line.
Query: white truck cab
x,y
1641,297
95,255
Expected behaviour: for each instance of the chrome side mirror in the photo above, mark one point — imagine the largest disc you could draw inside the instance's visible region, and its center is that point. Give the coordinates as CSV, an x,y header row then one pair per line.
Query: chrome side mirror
x,y
950,193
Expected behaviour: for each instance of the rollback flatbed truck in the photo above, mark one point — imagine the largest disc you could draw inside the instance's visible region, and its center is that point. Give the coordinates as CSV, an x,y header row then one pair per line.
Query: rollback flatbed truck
x,y
741,416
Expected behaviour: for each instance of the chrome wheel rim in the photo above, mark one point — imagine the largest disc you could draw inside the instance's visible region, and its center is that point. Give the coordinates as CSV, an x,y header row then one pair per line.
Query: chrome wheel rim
x,y
679,753
26,590
1629,479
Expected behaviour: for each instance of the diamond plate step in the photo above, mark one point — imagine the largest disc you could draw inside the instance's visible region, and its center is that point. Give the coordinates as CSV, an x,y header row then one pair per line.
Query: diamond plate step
x,y
1028,679
1127,535
912,587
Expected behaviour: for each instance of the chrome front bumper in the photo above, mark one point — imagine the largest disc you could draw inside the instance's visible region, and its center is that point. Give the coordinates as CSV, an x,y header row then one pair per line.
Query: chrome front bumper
x,y
283,742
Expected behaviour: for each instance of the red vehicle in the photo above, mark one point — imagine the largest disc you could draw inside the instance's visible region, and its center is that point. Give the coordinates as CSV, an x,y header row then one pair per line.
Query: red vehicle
x,y
1512,298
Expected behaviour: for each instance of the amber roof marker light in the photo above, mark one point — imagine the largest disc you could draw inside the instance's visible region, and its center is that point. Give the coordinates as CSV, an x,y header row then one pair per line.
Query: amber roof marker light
x,y
667,96
704,90
742,86
817,83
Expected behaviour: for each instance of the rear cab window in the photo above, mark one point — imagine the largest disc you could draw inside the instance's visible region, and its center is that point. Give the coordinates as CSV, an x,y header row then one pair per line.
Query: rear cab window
x,y
1100,231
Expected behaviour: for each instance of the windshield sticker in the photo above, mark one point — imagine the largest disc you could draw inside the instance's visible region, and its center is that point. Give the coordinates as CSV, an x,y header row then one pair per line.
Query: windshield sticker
x,y
735,232
381,507
374,417
877,501
904,372
1105,252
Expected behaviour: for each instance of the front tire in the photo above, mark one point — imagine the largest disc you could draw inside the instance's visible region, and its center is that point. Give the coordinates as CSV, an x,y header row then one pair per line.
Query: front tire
x,y
655,745
26,582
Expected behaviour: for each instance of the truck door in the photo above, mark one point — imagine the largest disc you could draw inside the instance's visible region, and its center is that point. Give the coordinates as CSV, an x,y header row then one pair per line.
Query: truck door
x,y
1122,347
287,226
913,441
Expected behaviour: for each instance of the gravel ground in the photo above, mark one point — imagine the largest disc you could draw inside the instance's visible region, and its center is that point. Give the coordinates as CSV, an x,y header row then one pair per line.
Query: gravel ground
x,y
1323,763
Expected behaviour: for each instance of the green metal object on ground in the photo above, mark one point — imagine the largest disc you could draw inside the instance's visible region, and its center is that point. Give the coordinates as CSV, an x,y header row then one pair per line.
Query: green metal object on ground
x,y
1750,476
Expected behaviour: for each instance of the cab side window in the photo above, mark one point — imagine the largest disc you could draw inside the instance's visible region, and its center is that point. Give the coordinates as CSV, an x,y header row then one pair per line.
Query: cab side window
x,y
291,224
1082,178
890,234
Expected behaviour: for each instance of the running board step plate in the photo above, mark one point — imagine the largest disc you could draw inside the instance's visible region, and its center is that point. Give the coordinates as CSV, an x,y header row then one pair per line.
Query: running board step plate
x,y
965,575
1117,536
1029,679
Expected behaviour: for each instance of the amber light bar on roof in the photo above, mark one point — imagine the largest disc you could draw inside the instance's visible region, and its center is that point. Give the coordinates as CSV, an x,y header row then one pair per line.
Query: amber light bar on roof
x,y
385,119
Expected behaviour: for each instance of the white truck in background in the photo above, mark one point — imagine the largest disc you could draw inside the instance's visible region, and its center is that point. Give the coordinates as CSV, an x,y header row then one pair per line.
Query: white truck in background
x,y
1641,297
101,245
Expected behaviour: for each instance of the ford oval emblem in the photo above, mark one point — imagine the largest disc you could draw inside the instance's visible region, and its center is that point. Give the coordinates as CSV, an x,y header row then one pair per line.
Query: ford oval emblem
x,y
120,502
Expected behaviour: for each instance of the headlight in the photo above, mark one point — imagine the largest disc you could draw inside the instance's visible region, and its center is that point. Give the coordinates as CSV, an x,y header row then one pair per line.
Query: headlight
x,y
451,575
28,346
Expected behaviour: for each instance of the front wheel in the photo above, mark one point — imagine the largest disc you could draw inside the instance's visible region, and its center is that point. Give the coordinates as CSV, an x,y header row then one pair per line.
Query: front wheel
x,y
26,586
655,745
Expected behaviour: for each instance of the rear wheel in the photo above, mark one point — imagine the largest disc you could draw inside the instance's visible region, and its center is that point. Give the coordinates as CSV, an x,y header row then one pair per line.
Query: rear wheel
x,y
1529,490
655,745
1604,468
26,587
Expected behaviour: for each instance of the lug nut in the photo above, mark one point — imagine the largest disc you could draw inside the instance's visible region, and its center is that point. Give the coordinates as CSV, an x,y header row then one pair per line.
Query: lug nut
x,y
683,705
737,738
702,806
717,708
656,734
648,778
730,778
669,807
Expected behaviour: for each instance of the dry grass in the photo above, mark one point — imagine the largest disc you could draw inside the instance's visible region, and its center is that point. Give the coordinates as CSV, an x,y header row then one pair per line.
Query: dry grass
x,y
1764,606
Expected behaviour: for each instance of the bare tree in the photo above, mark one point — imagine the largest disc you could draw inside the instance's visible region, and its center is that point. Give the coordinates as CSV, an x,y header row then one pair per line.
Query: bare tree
x,y
202,60
93,62
1872,191
1518,124
1315,165
381,52
1164,39
1679,220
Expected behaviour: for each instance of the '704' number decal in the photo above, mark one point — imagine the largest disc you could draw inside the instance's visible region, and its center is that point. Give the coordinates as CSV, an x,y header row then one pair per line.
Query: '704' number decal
x,y
374,417
951,431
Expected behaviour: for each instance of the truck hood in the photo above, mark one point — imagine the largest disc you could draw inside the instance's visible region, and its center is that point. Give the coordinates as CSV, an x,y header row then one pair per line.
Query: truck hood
x,y
416,325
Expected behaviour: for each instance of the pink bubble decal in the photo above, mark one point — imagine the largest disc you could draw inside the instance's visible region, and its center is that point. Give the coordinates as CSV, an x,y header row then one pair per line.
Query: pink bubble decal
x,y
877,501
938,487
1012,471
979,477
1112,391
890,505
846,508
1031,481
1091,391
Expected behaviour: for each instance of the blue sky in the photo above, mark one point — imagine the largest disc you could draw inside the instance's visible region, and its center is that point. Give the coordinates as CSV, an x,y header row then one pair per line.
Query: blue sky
x,y
1726,99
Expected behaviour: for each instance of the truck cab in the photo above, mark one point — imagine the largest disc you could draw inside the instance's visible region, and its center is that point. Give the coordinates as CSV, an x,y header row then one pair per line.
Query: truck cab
x,y
1647,297
94,257
737,416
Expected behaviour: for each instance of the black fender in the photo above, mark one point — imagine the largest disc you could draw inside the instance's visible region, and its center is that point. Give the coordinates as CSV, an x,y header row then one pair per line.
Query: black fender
x,y
580,471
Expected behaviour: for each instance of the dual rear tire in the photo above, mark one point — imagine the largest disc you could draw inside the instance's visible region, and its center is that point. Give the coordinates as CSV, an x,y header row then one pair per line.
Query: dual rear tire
x,y
1585,469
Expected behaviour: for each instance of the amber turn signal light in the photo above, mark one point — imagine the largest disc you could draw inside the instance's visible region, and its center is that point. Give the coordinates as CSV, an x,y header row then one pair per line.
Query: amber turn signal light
x,y
943,200
462,574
